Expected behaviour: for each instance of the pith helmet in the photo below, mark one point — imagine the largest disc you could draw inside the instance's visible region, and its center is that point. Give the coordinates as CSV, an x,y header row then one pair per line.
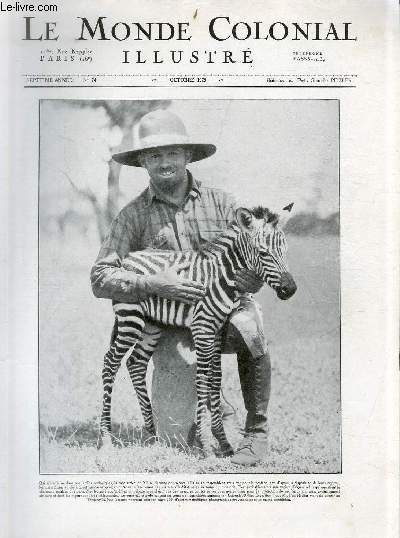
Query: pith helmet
x,y
159,129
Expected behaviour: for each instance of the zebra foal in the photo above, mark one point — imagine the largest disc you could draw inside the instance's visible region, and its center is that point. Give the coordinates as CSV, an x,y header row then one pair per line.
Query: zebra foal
x,y
254,241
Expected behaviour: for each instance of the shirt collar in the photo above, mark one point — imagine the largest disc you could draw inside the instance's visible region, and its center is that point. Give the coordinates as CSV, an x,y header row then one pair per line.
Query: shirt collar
x,y
194,190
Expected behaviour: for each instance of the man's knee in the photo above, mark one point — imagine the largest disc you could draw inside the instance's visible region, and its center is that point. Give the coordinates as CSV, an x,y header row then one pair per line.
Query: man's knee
x,y
245,331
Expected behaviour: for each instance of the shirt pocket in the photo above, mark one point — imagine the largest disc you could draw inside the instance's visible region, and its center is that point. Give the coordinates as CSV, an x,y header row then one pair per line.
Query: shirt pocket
x,y
159,238
162,240
210,229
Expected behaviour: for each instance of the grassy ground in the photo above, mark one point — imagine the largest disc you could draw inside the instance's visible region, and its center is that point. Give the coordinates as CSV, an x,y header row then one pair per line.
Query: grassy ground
x,y
303,335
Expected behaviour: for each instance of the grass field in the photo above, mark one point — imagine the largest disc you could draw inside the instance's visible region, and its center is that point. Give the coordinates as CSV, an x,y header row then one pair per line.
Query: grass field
x,y
304,340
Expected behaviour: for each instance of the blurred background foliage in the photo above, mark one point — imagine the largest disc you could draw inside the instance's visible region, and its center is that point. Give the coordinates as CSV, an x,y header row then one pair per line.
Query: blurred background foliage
x,y
85,199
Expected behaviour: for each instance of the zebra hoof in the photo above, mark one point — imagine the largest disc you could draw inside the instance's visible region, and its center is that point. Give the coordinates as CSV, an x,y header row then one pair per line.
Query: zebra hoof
x,y
226,451
149,437
202,450
202,453
105,442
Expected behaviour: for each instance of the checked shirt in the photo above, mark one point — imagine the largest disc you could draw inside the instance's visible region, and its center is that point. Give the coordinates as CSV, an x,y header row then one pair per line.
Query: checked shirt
x,y
151,222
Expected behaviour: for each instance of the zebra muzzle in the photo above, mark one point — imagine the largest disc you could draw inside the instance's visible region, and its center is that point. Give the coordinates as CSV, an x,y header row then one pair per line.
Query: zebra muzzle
x,y
287,287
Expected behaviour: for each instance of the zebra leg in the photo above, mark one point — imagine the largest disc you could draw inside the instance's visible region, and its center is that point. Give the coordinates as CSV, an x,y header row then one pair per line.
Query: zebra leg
x,y
137,367
112,361
127,334
204,344
217,426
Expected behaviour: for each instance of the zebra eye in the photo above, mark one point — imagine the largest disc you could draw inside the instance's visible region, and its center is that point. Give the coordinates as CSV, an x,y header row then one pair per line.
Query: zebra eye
x,y
263,252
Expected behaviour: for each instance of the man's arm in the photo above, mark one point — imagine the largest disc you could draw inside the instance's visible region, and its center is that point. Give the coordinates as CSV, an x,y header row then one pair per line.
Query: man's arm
x,y
111,281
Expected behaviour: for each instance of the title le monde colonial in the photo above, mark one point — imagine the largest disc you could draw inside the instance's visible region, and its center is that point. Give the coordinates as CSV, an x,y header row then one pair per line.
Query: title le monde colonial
x,y
220,29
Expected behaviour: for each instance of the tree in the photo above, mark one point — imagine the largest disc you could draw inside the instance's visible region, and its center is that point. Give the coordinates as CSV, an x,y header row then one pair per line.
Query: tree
x,y
123,115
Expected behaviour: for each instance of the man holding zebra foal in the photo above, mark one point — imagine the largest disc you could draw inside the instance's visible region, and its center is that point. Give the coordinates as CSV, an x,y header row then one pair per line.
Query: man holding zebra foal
x,y
176,212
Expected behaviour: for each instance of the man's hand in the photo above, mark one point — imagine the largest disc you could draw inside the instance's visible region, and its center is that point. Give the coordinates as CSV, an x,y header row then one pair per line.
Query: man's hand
x,y
170,285
247,281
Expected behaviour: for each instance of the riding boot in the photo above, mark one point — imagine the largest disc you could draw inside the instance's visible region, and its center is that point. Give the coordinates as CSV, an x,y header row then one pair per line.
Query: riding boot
x,y
255,380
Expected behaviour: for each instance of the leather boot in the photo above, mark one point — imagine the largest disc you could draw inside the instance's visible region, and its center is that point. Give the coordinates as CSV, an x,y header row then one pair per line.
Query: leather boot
x,y
255,380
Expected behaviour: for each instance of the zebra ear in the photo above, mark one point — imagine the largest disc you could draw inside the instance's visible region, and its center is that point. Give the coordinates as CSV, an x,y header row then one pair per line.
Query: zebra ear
x,y
285,214
245,219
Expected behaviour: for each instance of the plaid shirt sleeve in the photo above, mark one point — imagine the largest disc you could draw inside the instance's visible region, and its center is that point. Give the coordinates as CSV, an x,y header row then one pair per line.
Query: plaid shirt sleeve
x,y
109,280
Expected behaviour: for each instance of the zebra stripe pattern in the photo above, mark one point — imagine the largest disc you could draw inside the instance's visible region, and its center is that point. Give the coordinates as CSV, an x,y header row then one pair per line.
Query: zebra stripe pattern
x,y
254,242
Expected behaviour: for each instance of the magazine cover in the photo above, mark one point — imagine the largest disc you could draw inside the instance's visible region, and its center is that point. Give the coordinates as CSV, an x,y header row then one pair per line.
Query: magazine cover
x,y
201,269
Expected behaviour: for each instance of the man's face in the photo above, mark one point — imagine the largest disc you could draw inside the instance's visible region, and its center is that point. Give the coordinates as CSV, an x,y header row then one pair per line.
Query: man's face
x,y
166,166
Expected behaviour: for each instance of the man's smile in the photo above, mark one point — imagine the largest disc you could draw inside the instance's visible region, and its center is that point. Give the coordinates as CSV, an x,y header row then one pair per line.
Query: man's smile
x,y
166,172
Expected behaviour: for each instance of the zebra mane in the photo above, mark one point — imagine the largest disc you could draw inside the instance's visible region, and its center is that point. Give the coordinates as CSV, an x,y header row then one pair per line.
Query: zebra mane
x,y
264,213
259,213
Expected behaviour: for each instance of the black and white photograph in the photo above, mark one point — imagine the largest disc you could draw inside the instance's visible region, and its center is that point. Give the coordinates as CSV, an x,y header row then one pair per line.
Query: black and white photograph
x,y
189,286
